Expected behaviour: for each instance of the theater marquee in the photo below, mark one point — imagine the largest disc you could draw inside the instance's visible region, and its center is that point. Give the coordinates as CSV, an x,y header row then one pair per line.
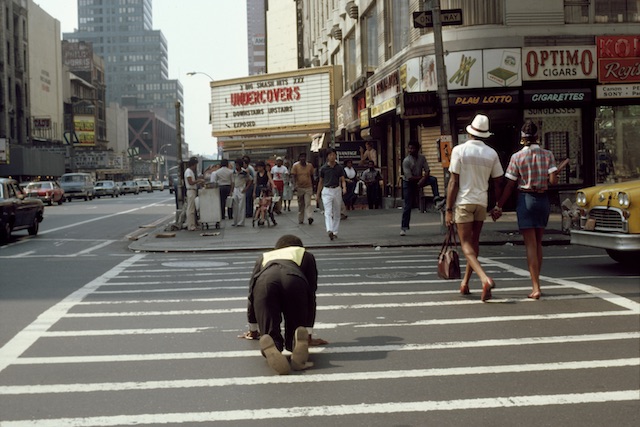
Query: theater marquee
x,y
267,104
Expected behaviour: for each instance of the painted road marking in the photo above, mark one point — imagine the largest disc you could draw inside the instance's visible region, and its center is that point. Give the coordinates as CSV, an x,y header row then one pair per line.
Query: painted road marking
x,y
337,410
29,335
14,390
505,342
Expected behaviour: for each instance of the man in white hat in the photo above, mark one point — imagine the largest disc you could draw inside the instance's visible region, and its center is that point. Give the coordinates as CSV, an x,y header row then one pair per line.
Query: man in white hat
x,y
473,164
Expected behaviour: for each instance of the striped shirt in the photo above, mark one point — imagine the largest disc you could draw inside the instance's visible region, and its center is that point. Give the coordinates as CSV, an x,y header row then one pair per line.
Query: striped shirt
x,y
531,167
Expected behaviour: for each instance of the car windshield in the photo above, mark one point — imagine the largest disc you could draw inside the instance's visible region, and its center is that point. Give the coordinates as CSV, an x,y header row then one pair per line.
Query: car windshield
x,y
38,185
73,178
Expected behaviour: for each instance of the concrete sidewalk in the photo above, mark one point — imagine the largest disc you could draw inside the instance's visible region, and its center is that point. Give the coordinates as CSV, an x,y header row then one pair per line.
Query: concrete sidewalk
x,y
363,228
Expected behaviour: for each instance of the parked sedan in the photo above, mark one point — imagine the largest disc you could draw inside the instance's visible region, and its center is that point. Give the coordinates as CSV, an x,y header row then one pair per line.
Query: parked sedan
x,y
144,185
49,192
129,187
18,212
157,185
106,188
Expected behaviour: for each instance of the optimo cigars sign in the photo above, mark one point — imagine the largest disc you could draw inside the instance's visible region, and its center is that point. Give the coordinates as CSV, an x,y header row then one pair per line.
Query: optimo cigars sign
x,y
267,104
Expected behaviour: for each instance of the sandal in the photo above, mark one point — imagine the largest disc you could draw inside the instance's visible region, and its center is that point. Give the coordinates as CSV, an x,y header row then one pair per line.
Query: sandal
x,y
250,335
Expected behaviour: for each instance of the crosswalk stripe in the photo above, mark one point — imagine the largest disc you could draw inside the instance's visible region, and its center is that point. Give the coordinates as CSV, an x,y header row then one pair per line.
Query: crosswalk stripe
x,y
338,410
505,342
317,378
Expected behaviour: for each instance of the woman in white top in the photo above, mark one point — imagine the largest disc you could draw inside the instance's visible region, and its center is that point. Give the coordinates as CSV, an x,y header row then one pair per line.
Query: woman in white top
x,y
350,177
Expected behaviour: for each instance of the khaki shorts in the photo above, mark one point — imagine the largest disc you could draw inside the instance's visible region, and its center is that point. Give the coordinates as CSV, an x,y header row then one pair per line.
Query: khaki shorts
x,y
470,213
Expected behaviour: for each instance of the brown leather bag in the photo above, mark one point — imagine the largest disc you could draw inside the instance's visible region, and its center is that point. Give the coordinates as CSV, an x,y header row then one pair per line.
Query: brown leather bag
x,y
448,261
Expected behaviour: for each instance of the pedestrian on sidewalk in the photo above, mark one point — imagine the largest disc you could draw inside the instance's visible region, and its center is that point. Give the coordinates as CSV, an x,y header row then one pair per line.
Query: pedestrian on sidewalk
x,y
287,192
350,177
531,169
223,177
473,164
371,177
242,183
278,172
191,183
302,173
283,284
416,175
249,194
331,187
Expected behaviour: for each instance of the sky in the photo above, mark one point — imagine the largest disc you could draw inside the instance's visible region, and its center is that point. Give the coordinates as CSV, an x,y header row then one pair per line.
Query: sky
x,y
207,36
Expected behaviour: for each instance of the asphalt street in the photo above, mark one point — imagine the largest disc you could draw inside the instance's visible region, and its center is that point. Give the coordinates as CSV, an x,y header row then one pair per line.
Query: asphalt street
x,y
151,338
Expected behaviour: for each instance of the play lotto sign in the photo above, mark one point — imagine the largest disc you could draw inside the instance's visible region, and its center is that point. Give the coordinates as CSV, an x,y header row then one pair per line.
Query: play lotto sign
x,y
269,104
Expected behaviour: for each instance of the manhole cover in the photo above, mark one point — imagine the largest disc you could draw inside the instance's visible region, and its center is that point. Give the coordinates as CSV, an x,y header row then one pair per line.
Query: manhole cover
x,y
195,264
393,275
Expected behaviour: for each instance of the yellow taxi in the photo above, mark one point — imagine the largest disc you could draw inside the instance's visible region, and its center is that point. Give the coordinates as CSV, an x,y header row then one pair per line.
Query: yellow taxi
x,y
610,219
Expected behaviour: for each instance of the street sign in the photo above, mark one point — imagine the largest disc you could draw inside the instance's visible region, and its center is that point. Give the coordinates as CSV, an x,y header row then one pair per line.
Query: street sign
x,y
424,19
133,151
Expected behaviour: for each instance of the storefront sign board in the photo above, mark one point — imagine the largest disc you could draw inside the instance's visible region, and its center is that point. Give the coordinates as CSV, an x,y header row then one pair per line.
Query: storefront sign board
x,y
618,59
502,67
461,100
556,96
618,91
273,103
464,69
559,63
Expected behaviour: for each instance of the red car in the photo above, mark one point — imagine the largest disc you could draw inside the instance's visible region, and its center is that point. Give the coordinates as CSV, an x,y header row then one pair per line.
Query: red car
x,y
47,191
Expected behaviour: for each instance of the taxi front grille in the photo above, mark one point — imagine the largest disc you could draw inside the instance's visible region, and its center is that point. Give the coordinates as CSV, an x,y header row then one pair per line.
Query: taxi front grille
x,y
608,219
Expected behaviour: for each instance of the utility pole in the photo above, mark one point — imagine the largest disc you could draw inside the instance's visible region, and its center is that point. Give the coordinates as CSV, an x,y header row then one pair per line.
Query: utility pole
x,y
443,93
446,136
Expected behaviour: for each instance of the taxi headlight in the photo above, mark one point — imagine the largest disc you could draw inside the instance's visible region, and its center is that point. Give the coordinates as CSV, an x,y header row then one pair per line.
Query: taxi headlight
x,y
623,199
581,199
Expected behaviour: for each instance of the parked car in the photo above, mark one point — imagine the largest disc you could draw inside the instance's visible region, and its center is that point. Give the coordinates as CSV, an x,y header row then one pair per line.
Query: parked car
x,y
106,188
144,185
129,187
165,184
610,219
49,192
77,185
157,185
18,212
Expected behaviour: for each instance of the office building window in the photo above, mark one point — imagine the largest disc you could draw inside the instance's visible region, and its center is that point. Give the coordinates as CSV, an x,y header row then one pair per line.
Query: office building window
x,y
576,11
396,26
349,59
477,12
616,11
370,39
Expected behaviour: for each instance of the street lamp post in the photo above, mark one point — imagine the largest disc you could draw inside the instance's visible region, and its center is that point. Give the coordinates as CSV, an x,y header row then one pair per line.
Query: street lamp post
x,y
193,73
166,170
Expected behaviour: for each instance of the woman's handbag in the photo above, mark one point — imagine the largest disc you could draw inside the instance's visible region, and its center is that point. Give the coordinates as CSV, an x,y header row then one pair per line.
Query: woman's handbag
x,y
448,261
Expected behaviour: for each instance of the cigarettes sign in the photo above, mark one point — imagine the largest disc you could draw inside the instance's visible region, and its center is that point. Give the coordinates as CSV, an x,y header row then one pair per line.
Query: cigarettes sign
x,y
267,104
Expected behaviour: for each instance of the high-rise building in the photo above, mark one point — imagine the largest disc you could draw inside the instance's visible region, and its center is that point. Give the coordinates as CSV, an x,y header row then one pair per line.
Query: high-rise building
x,y
135,55
256,37
136,66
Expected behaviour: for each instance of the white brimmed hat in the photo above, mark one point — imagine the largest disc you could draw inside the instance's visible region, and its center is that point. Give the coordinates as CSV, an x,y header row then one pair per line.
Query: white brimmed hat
x,y
479,126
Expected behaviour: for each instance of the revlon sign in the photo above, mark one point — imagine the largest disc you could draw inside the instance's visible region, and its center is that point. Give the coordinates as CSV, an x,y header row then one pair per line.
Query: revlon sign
x,y
618,59
559,63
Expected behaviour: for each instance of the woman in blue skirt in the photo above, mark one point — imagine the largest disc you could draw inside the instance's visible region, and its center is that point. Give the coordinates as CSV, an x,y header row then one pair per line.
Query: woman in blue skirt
x,y
532,170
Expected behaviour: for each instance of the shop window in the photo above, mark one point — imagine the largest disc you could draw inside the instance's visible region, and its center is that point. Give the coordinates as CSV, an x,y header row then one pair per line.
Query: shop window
x,y
617,144
560,130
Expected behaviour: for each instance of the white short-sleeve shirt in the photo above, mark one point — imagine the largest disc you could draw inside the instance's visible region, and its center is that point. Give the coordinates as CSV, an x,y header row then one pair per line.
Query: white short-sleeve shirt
x,y
474,162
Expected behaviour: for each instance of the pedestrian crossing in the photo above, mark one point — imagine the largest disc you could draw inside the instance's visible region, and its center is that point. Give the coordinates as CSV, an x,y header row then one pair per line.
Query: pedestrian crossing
x,y
153,341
